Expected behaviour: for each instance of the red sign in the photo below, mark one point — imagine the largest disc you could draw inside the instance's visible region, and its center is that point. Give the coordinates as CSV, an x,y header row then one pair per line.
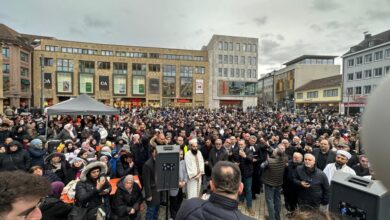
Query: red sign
x,y
184,100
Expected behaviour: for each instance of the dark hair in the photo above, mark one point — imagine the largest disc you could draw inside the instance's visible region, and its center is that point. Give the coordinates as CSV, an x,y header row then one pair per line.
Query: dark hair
x,y
152,149
226,177
33,168
15,185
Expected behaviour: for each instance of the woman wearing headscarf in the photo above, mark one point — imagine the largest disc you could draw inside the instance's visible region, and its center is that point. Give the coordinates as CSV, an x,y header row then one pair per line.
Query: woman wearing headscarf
x,y
127,199
57,164
37,153
52,207
15,158
76,166
67,133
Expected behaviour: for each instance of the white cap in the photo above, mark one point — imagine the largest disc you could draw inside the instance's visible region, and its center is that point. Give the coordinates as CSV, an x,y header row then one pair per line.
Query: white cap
x,y
344,153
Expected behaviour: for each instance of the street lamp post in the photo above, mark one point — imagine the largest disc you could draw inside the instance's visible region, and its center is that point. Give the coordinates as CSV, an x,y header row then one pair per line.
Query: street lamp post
x,y
42,84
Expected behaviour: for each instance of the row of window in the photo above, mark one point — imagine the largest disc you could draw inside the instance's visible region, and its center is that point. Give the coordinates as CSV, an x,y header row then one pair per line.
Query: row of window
x,y
24,72
124,53
366,74
230,59
64,84
24,84
230,46
317,61
66,65
250,73
368,58
358,90
314,94
5,53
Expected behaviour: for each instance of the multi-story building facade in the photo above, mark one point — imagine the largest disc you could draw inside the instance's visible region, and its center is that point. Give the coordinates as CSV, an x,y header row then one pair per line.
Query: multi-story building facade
x,y
266,90
1,82
16,67
365,65
233,71
322,93
121,75
299,72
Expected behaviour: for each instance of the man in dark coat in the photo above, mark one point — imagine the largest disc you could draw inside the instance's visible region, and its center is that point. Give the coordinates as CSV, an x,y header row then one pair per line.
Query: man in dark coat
x,y
289,189
225,186
149,183
93,190
324,155
312,184
217,153
15,158
127,199
37,153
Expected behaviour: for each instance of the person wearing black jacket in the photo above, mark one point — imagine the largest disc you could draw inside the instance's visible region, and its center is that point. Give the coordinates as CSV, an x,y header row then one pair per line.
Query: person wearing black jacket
x,y
37,153
140,151
15,158
93,190
225,186
312,184
289,189
52,207
57,164
126,166
243,156
324,155
127,200
149,183
217,153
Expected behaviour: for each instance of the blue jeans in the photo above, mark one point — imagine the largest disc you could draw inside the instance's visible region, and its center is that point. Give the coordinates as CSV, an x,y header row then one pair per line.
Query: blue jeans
x,y
247,194
272,198
152,212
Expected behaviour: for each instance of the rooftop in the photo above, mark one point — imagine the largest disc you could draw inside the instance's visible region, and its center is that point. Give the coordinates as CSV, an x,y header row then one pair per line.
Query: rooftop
x,y
331,81
375,40
296,60
8,35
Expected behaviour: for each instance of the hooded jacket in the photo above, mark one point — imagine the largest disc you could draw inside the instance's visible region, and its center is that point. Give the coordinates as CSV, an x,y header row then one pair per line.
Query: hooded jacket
x,y
37,153
17,160
60,173
87,195
123,201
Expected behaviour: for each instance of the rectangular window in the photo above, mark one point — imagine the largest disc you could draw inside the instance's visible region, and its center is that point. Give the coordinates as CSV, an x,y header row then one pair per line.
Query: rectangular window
x,y
254,74
25,85
225,45
169,70
237,72
138,69
242,73
225,59
225,72
378,55
24,57
220,45
48,61
169,86
387,70
120,84
120,53
120,68
64,65
231,46
232,72
387,53
359,60
299,95
185,71
5,83
185,87
368,58
23,72
250,60
5,68
154,67
242,61
138,85
378,72
243,47
248,73
311,95
234,88
64,82
367,74
104,65
107,53
367,90
238,46
154,55
350,76
358,90
359,75
235,59
219,71
52,48
86,83
349,91
220,59
5,52
200,70
350,62
230,59
330,93
86,66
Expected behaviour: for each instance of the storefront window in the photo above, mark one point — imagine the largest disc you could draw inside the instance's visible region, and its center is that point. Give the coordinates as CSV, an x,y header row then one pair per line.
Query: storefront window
x,y
169,86
185,87
120,85
138,85
231,88
64,82
86,83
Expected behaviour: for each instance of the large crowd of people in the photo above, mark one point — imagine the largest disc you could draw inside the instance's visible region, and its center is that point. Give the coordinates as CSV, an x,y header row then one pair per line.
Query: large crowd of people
x,y
275,152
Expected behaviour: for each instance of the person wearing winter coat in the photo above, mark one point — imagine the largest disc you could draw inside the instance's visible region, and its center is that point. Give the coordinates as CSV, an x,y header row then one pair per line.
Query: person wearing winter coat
x,y
37,153
52,207
67,133
48,174
93,190
127,199
57,164
76,166
15,158
126,166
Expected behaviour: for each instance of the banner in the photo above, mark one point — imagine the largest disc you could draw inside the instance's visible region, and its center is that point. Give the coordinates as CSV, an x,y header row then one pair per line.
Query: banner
x,y
47,80
199,86
104,83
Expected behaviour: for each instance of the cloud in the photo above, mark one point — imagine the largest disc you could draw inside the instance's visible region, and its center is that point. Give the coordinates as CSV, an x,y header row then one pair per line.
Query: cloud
x,y
280,37
267,46
77,31
96,22
378,14
316,28
260,21
325,5
333,25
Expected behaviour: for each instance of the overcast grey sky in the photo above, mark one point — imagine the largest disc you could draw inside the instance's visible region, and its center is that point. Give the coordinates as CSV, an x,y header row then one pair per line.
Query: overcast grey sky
x,y
286,29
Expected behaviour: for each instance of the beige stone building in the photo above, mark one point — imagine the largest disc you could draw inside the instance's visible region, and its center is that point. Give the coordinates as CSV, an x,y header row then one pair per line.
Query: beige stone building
x,y
120,75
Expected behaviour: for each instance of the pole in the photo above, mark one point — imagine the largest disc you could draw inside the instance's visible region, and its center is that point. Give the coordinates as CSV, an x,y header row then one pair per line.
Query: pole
x,y
347,104
42,85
